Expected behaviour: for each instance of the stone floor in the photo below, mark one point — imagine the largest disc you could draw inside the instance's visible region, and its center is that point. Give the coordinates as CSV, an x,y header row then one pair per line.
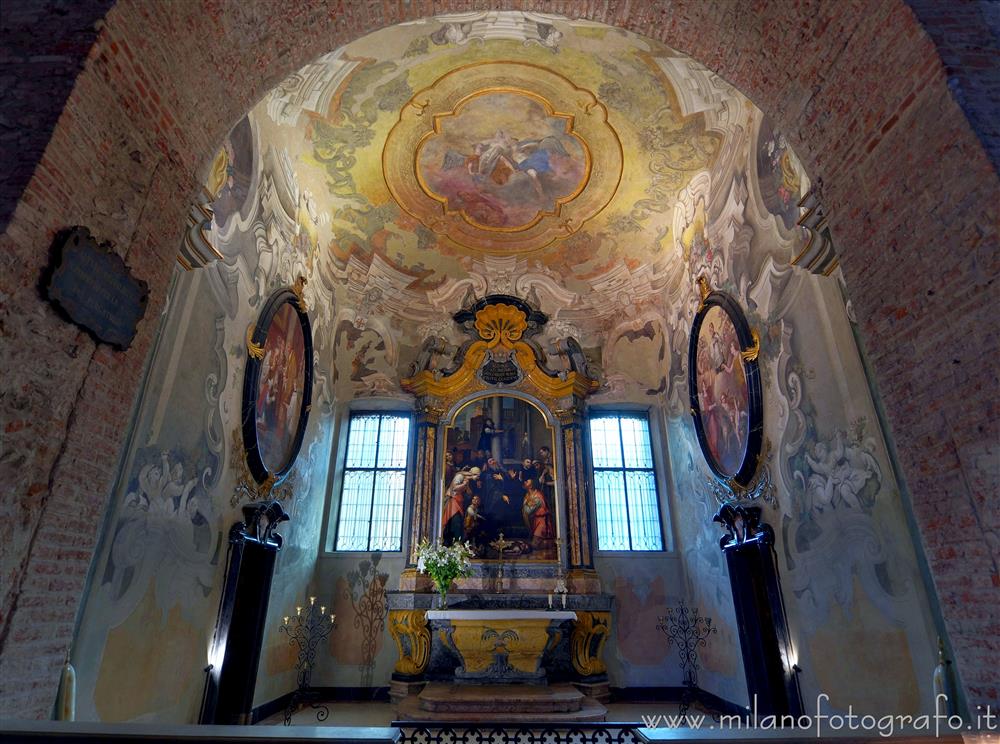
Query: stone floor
x,y
381,714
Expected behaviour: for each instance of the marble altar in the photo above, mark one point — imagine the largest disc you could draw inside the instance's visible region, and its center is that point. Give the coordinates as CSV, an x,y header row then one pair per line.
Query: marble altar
x,y
501,646
573,639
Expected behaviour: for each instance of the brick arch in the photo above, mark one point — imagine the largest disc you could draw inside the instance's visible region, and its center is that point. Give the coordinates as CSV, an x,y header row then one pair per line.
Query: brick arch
x,y
859,89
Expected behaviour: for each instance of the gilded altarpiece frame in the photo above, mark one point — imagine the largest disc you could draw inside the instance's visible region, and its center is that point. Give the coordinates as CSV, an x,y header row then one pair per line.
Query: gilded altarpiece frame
x,y
502,363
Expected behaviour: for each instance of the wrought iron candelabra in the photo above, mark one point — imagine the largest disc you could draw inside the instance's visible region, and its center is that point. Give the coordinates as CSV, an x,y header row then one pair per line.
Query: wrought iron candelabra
x,y
688,630
307,630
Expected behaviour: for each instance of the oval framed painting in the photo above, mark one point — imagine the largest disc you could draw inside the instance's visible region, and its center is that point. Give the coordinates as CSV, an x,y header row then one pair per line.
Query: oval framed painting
x,y
277,386
724,384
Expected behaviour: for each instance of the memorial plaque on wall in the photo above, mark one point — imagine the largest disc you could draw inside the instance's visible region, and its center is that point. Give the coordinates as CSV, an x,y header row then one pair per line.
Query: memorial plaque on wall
x,y
94,288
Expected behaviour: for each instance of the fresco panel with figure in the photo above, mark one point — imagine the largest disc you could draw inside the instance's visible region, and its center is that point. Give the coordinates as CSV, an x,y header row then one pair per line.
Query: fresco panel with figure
x,y
502,159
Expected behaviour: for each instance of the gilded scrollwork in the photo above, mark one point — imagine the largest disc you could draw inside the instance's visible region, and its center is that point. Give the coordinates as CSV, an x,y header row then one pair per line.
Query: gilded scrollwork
x,y
751,354
413,640
501,324
256,351
704,289
590,633
299,288
500,327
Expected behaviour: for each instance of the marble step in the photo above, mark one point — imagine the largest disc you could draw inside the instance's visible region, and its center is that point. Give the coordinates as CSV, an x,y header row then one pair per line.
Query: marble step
x,y
515,698
590,712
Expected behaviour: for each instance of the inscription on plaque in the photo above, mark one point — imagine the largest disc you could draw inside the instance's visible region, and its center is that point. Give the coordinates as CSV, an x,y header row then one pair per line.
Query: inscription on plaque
x,y
502,371
92,285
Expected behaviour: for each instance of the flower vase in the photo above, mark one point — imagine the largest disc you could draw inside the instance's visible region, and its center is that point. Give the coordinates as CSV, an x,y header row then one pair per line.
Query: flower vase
x,y
442,599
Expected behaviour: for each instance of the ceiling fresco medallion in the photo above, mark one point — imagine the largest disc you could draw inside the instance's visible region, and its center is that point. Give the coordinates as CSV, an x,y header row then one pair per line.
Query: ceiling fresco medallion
x,y
503,157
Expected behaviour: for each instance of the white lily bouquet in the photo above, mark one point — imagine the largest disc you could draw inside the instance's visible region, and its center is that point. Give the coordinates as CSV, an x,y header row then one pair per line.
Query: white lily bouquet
x,y
444,564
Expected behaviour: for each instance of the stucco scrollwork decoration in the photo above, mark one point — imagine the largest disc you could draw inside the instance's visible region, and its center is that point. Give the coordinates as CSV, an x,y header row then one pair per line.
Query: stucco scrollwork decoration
x,y
501,356
818,256
761,485
503,157
413,640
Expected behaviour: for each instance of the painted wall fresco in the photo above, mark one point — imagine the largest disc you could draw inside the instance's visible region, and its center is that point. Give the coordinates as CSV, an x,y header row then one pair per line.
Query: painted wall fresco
x,y
364,587
157,571
150,612
779,174
360,652
842,543
333,121
708,188
231,173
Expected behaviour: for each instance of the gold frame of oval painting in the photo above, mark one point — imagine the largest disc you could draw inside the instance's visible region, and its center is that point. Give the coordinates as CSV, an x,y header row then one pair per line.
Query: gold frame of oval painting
x,y
503,157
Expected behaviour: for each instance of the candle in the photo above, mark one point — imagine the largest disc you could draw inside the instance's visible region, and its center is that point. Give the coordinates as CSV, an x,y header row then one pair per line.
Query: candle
x,y
298,611
66,696
564,600
332,618
322,609
312,601
550,600
286,619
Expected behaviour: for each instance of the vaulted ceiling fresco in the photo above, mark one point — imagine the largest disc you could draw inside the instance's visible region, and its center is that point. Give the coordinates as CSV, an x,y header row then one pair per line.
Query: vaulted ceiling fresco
x,y
595,174
573,163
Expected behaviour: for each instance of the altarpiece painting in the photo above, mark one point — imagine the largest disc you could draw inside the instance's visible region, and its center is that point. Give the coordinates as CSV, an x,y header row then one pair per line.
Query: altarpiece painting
x,y
724,383
499,479
277,386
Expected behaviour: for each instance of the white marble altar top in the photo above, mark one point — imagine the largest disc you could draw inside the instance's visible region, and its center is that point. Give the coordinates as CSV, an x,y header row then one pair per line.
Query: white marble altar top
x,y
458,614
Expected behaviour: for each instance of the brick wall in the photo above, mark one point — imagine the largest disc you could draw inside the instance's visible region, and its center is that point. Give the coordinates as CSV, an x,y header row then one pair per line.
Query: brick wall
x,y
857,85
967,36
37,71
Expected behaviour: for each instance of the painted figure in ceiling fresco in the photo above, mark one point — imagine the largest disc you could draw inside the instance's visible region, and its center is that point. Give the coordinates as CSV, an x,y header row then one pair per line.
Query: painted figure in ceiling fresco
x,y
779,174
501,160
723,395
229,180
495,483
279,395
